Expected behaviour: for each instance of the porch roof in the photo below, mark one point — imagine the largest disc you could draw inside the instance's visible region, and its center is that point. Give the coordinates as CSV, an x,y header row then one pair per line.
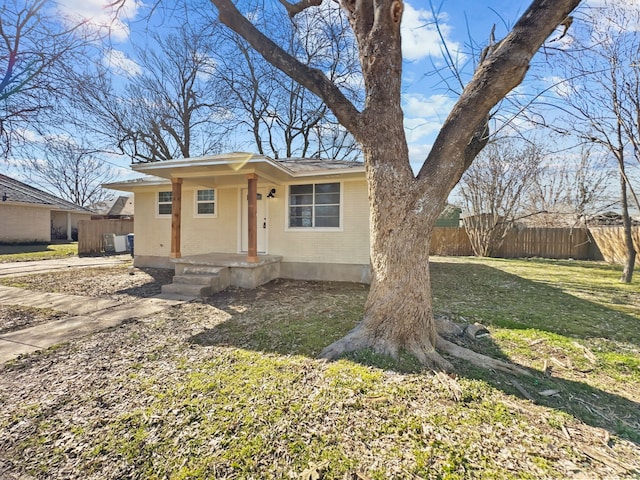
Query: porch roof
x,y
232,168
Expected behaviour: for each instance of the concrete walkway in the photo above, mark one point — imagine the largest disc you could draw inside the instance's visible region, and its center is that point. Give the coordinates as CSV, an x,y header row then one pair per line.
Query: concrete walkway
x,y
86,314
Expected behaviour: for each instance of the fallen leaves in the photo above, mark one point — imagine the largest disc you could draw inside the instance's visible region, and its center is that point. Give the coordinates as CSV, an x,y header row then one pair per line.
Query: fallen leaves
x,y
146,397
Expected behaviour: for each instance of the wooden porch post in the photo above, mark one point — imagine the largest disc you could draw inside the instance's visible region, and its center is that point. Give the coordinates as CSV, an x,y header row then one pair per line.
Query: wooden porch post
x,y
252,217
176,211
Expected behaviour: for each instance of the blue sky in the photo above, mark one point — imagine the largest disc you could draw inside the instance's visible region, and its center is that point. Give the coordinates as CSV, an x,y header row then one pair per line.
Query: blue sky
x,y
427,99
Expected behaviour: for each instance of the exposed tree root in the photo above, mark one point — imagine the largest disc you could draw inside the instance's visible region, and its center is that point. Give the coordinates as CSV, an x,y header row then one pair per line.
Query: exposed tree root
x,y
478,359
352,341
360,338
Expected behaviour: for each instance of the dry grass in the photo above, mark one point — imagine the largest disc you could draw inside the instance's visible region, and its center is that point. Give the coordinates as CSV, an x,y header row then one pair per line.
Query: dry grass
x,y
230,388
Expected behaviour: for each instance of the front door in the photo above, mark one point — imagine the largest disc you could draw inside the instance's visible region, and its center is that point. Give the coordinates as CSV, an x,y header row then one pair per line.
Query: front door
x,y
262,220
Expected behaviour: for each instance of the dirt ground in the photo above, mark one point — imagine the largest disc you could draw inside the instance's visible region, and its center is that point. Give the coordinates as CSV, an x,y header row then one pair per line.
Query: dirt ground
x,y
58,407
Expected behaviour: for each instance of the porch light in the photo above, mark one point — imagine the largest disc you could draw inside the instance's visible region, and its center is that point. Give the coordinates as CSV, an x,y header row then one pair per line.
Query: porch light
x,y
272,193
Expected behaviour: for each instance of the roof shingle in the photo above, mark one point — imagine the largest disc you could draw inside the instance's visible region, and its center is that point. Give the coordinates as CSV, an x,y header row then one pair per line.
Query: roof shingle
x,y
12,190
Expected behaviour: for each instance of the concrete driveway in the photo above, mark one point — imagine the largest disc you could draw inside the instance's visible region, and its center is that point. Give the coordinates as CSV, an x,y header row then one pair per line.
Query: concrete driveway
x,y
16,269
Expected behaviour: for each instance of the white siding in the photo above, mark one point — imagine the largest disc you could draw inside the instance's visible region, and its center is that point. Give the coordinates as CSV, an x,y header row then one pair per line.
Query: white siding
x,y
349,245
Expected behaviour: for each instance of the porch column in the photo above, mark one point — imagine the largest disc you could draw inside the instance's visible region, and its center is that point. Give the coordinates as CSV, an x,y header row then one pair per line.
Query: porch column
x,y
252,217
176,211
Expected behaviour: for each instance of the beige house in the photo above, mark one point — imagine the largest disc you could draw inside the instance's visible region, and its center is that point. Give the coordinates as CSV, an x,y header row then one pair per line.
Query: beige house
x,y
28,214
252,218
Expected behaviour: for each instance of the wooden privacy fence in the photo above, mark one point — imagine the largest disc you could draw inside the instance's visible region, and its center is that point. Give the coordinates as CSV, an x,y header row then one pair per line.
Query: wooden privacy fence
x,y
547,243
91,234
610,241
523,242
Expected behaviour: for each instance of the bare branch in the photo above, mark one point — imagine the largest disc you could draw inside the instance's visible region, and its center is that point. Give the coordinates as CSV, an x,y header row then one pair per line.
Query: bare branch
x,y
295,8
502,70
312,79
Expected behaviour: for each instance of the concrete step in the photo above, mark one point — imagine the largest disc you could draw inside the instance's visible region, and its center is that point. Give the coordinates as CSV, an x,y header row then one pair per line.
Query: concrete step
x,y
194,279
187,289
199,280
203,270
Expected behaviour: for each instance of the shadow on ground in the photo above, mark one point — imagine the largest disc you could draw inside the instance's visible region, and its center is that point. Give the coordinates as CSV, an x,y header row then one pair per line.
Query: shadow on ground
x,y
300,318
18,248
159,277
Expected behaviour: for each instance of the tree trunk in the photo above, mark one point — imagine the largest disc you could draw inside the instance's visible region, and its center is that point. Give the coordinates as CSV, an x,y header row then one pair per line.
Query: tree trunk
x,y
398,313
630,258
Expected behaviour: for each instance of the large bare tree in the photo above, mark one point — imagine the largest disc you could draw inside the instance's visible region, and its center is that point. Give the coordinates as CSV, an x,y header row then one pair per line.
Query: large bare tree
x,y
403,206
37,48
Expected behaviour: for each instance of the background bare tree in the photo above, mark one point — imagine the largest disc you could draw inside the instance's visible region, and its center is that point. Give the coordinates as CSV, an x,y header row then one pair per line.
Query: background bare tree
x,y
494,190
600,94
71,171
173,107
37,49
284,118
568,193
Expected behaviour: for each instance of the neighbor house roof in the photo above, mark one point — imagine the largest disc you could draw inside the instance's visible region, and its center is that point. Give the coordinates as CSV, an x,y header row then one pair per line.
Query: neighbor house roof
x,y
121,206
14,191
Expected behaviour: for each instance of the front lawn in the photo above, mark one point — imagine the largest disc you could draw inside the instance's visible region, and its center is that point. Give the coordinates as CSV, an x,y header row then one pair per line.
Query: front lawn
x,y
36,251
230,387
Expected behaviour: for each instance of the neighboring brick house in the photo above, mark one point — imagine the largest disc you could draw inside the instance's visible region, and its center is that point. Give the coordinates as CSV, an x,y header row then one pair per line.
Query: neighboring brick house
x,y
28,214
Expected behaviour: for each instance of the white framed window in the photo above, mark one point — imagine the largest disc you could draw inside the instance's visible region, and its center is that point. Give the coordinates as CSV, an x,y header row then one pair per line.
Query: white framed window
x,y
163,208
205,203
314,205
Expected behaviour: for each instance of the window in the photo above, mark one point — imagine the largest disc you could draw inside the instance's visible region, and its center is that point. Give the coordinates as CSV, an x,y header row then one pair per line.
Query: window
x,y
164,203
314,205
206,202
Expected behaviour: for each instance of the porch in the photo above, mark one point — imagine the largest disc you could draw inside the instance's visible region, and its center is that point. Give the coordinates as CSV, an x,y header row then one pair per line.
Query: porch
x,y
206,274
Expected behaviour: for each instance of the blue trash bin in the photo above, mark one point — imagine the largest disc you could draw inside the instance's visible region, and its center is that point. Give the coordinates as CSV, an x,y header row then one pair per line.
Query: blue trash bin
x,y
130,242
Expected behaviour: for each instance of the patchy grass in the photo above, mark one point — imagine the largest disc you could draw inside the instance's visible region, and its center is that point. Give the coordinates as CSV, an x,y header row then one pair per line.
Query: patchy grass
x,y
230,388
13,317
31,252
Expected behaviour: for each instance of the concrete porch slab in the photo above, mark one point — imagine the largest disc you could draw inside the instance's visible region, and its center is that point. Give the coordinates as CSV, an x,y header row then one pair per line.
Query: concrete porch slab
x,y
226,260
242,273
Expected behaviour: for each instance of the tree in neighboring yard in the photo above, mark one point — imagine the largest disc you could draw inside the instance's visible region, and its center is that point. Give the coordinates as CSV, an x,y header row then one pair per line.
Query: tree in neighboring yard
x,y
70,170
283,117
494,190
403,206
174,106
37,47
602,94
568,192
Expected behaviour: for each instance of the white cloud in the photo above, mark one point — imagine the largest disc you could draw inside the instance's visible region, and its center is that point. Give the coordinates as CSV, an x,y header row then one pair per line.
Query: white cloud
x,y
102,15
417,154
418,105
420,37
559,86
418,128
423,120
121,64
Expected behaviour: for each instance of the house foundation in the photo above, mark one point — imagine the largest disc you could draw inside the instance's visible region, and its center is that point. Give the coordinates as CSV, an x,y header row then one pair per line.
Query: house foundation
x,y
204,275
